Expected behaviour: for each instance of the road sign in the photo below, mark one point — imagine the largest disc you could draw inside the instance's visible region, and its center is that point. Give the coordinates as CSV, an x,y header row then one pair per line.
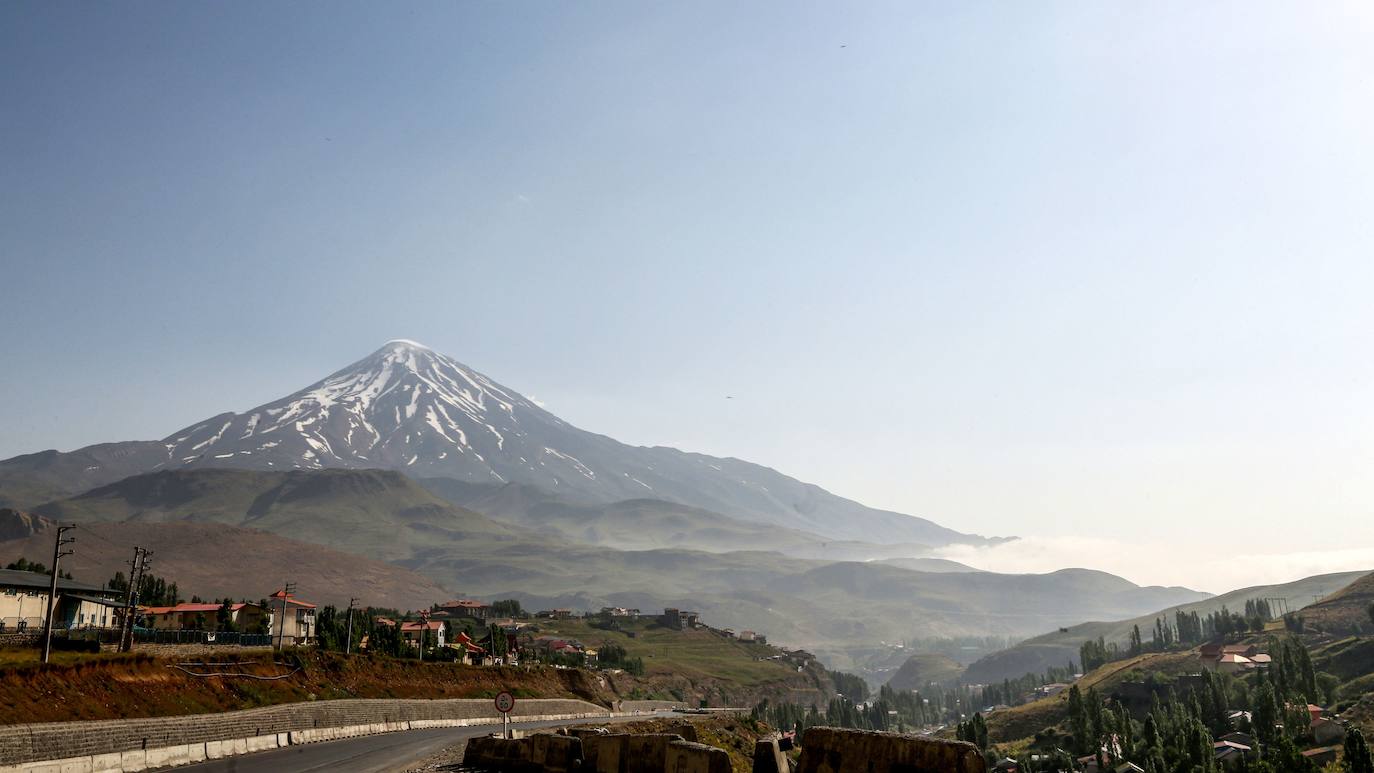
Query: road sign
x,y
505,702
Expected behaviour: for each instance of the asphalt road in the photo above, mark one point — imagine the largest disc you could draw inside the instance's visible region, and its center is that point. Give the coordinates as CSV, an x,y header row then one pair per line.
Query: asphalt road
x,y
384,752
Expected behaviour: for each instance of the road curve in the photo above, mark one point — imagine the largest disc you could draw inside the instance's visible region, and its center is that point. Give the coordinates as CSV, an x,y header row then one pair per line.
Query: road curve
x,y
383,752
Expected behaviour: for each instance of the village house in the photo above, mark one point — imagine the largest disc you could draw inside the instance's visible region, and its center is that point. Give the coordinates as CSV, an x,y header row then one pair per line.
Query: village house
x,y
554,614
1321,756
1230,754
412,633
471,652
679,619
290,621
204,617
1327,731
620,612
24,603
466,608
1231,658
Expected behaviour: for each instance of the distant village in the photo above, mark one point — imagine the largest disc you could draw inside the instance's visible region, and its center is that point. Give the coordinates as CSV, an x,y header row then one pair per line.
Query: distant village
x,y
467,630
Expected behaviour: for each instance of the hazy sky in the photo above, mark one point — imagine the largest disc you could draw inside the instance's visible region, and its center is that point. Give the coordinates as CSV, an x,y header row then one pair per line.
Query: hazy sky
x,y
1102,273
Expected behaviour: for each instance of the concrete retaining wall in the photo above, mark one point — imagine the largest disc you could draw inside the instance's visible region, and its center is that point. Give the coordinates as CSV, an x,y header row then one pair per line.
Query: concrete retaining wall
x,y
79,747
835,750
592,753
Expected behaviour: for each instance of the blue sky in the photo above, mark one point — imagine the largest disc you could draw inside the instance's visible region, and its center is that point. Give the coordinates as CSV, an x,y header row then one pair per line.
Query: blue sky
x,y
1063,269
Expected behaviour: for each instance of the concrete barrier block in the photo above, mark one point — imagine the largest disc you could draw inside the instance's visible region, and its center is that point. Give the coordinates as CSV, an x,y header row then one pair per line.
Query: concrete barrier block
x,y
621,753
689,757
196,752
836,750
133,760
107,763
75,765
283,739
768,757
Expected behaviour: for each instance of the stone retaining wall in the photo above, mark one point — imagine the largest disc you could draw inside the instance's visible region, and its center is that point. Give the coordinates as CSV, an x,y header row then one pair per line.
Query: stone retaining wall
x,y
61,740
836,750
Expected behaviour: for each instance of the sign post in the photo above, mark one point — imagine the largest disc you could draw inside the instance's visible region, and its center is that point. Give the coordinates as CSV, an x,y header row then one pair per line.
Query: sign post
x,y
505,702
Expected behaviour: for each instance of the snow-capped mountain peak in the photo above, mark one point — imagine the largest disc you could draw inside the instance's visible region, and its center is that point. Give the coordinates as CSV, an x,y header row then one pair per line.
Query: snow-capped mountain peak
x,y
403,405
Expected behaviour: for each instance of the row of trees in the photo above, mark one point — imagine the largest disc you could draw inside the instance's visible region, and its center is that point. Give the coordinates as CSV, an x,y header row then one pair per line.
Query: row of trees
x,y
153,591
1188,629
25,565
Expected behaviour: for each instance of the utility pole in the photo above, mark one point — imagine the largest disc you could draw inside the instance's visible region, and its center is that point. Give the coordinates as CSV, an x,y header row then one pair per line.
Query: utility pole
x,y
424,633
137,568
286,591
57,553
348,645
127,621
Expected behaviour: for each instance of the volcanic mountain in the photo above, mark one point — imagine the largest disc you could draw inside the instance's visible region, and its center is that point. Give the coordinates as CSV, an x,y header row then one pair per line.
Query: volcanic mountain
x,y
406,407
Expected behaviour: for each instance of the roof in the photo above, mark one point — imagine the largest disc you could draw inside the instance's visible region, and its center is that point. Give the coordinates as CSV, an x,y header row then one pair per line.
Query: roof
x,y
96,600
464,604
15,578
1229,658
282,594
195,608
432,626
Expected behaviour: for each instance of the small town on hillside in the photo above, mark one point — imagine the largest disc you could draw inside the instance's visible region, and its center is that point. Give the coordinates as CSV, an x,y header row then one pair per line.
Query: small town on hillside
x,y
114,616
1242,682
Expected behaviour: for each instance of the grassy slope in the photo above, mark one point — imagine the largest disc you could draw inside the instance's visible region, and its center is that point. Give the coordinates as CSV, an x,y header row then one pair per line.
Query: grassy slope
x,y
212,561
923,669
697,654
370,512
1019,722
1345,611
1060,647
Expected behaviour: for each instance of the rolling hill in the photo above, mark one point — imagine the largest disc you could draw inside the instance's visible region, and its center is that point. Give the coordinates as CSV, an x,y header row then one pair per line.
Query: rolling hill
x,y
1061,647
924,669
215,560
649,524
829,607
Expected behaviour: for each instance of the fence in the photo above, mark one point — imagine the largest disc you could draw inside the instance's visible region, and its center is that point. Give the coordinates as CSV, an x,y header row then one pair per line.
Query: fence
x,y
157,636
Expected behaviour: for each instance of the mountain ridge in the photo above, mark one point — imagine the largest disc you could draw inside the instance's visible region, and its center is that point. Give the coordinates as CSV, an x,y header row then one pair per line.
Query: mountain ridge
x,y
406,407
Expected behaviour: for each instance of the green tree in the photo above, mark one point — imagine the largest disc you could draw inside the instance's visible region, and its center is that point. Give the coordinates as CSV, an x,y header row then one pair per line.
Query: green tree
x,y
224,617
1357,755
1078,721
1266,713
507,608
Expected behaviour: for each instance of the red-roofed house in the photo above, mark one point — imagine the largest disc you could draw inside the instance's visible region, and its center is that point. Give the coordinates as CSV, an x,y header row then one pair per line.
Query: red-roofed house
x,y
291,621
203,616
